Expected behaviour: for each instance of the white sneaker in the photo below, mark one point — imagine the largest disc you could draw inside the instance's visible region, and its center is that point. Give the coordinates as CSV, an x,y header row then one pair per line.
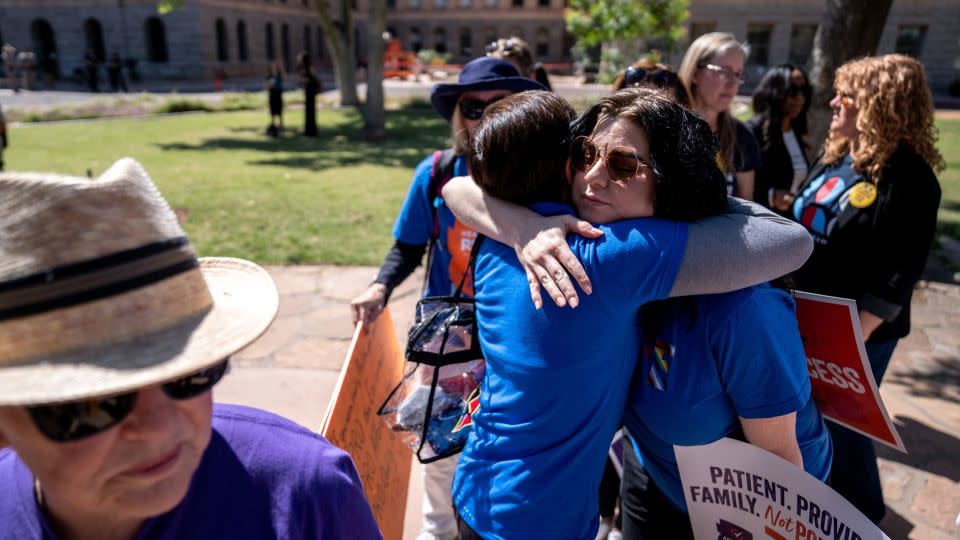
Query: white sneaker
x,y
615,534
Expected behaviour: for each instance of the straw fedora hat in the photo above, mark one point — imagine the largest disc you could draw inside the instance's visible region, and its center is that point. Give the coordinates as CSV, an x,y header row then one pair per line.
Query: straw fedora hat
x,y
101,293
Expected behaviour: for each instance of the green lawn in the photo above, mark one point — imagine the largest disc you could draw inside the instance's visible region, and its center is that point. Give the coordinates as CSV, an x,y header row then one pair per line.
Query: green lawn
x,y
949,145
294,200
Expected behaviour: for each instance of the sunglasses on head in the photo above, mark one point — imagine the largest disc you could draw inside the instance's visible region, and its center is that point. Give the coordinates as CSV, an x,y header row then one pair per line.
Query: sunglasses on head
x,y
77,420
660,78
621,163
472,109
494,45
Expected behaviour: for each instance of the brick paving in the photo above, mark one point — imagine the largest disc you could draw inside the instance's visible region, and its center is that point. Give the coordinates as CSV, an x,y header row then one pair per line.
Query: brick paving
x,y
293,368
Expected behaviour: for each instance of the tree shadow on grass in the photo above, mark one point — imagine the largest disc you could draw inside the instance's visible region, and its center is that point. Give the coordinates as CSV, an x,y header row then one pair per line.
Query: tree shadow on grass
x,y
411,134
930,449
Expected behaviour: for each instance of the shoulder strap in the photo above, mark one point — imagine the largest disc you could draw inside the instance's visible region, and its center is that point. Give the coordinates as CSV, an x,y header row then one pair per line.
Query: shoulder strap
x,y
440,173
470,264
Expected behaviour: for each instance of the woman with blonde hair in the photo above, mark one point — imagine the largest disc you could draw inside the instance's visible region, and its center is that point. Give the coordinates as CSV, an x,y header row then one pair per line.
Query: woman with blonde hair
x,y
712,71
871,206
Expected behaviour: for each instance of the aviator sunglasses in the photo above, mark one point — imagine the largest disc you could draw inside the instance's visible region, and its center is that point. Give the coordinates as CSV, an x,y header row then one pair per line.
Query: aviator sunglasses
x,y
472,109
65,422
621,163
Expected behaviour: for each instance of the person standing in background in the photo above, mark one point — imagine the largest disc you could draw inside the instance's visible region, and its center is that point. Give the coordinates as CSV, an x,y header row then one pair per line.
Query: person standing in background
x,y
274,84
779,123
8,55
90,62
712,71
517,51
115,74
27,62
311,87
871,206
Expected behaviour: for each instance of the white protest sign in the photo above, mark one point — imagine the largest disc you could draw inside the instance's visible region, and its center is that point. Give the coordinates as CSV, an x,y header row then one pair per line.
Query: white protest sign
x,y
737,491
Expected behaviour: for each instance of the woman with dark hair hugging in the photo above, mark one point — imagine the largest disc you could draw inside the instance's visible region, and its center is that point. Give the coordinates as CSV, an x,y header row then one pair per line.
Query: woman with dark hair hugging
x,y
557,380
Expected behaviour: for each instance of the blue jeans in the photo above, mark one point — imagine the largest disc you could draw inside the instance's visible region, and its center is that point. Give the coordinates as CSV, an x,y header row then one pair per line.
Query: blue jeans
x,y
855,474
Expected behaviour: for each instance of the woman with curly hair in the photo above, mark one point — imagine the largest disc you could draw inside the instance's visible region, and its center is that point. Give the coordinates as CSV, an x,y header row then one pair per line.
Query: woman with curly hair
x,y
780,104
871,206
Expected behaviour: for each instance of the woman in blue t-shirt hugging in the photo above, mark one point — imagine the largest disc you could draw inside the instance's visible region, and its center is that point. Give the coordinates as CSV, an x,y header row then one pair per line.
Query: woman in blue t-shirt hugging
x,y
557,380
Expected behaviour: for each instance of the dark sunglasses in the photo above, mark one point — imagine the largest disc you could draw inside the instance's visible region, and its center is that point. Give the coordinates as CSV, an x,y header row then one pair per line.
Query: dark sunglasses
x,y
77,420
621,164
660,78
472,109
795,90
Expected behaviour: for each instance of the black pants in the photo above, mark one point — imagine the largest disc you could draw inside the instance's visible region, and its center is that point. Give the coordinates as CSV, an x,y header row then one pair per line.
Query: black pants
x,y
609,489
646,513
464,531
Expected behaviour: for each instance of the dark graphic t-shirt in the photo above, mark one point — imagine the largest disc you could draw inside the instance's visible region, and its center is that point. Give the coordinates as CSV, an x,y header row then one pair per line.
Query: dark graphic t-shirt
x,y
819,205
746,158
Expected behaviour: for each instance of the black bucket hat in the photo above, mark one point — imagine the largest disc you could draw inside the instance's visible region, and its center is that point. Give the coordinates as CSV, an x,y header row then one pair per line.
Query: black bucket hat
x,y
484,73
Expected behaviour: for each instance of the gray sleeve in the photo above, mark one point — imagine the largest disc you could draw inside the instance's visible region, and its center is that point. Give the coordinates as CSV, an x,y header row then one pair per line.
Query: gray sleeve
x,y
746,246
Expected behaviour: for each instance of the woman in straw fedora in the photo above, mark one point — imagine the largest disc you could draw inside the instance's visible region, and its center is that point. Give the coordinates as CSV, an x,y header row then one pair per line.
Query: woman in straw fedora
x,y
112,335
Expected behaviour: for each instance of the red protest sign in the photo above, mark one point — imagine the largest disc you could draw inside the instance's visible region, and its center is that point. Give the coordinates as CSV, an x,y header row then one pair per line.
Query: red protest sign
x,y
841,381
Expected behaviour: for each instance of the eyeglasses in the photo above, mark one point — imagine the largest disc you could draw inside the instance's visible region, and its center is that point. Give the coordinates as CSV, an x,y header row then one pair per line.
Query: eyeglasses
x,y
727,74
660,78
621,163
77,420
472,109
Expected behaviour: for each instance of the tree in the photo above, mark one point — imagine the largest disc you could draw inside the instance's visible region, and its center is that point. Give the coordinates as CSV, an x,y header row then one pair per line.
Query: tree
x,y
848,29
339,37
623,28
374,117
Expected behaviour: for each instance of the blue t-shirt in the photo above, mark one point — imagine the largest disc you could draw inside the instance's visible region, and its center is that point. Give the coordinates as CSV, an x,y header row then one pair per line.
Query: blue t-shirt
x,y
414,225
556,381
720,357
261,477
819,205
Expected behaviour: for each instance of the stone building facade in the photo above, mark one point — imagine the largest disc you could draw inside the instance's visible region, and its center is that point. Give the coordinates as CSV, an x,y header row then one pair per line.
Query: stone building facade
x,y
462,28
242,37
781,31
239,37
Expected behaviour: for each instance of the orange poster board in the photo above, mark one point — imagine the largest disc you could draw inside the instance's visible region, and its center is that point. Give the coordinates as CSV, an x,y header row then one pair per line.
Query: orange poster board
x,y
841,380
373,365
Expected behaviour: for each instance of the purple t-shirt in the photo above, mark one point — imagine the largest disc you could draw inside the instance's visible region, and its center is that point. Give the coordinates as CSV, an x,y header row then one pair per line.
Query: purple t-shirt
x,y
262,477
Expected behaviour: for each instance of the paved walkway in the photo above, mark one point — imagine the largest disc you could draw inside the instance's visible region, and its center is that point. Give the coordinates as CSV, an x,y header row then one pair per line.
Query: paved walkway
x,y
293,368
